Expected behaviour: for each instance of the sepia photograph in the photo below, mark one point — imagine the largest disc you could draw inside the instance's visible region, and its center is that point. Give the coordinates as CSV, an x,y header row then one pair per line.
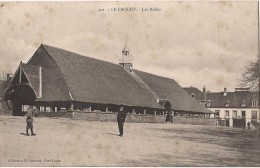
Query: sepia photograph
x,y
129,84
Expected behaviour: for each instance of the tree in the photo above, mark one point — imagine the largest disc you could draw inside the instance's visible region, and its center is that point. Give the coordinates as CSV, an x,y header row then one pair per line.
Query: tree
x,y
3,74
250,75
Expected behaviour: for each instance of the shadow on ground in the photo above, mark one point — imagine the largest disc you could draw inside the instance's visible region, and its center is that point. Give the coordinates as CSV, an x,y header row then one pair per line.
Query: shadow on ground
x,y
237,147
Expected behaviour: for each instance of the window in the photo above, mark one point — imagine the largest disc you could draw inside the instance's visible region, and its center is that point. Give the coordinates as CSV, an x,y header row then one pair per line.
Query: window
x,y
217,113
208,103
243,103
243,114
234,115
253,103
254,114
226,103
227,114
193,95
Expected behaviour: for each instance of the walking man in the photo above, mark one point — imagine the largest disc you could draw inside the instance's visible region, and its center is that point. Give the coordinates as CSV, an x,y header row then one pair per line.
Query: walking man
x,y
121,119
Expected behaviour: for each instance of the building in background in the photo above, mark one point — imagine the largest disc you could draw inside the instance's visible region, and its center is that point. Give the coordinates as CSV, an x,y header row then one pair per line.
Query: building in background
x,y
55,79
236,109
1,94
198,95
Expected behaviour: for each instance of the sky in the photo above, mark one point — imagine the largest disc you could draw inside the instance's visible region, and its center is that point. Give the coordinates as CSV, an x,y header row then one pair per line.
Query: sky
x,y
196,43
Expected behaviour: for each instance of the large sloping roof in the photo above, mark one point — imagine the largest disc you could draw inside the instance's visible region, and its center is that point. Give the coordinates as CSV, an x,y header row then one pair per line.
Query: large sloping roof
x,y
91,80
218,100
169,89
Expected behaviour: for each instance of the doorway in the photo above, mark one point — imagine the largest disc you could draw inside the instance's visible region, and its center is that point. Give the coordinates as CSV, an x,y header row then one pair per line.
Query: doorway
x,y
227,123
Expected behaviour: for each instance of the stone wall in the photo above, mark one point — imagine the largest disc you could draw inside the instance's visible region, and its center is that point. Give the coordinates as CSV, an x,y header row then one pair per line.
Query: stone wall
x,y
94,116
4,112
141,118
136,118
103,116
55,114
194,120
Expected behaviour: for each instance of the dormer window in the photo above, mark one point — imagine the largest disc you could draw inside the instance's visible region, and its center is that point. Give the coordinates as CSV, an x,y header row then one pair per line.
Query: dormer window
x,y
243,103
226,103
208,103
254,103
193,95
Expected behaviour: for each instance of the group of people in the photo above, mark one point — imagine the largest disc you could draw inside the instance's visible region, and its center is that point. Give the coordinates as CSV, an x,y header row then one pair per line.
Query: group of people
x,y
31,110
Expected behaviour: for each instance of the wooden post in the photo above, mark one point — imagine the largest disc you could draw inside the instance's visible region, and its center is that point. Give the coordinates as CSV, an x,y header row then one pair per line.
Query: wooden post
x,y
144,111
20,75
71,106
154,112
40,82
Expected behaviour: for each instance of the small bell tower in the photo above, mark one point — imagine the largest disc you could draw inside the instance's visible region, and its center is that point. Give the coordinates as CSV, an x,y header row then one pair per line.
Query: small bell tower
x,y
126,61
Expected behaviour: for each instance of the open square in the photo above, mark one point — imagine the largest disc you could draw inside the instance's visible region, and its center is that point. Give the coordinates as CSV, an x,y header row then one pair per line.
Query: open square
x,y
66,142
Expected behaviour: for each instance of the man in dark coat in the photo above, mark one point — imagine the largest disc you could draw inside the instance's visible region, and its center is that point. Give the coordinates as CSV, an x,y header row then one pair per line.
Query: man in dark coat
x,y
121,119
248,125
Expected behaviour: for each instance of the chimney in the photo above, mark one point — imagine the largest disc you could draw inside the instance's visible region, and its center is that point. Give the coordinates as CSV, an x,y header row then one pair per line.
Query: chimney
x,y
225,92
204,93
204,89
9,76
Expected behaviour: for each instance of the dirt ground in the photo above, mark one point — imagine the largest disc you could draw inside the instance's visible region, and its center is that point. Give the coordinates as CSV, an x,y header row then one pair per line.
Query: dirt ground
x,y
66,142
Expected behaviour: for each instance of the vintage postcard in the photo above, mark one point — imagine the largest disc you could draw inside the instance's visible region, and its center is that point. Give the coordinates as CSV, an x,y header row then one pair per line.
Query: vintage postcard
x,y
129,83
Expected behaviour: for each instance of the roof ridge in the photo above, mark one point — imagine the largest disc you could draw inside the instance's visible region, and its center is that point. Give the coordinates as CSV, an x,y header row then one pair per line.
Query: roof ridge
x,y
84,56
80,55
155,75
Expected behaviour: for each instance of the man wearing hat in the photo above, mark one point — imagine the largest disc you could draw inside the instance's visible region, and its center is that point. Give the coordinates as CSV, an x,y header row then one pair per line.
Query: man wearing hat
x,y
121,119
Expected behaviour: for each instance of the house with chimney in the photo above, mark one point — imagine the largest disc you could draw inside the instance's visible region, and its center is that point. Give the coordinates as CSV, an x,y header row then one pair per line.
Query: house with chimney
x,y
235,109
196,94
55,79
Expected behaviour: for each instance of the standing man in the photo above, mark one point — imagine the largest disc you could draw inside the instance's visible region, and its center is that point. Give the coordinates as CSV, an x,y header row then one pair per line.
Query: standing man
x,y
29,121
121,119
248,125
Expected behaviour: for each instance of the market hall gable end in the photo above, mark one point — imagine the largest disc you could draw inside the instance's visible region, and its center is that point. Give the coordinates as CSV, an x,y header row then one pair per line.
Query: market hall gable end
x,y
55,79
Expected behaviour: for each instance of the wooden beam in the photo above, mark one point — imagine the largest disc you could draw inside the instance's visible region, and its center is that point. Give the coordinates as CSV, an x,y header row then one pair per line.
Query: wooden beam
x,y
40,82
71,106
